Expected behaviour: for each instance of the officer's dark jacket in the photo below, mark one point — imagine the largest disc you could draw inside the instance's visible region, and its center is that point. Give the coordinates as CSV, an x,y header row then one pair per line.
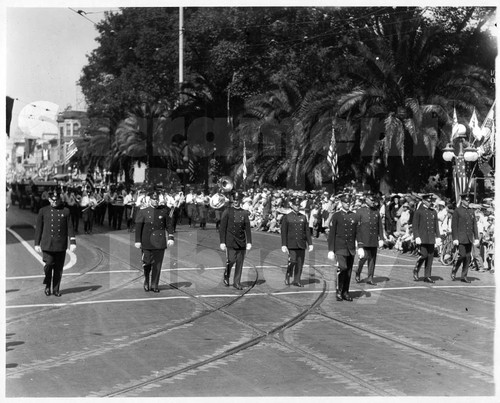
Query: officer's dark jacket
x,y
151,228
342,235
370,228
464,225
425,225
53,229
234,229
295,232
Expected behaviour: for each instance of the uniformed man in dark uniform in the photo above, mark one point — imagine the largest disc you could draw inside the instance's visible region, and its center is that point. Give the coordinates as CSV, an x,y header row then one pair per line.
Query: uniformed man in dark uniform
x,y
152,228
370,235
426,233
235,238
53,228
295,239
342,245
464,233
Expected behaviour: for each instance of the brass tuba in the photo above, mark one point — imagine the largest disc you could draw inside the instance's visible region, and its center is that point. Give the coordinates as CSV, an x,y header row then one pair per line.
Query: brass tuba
x,y
219,199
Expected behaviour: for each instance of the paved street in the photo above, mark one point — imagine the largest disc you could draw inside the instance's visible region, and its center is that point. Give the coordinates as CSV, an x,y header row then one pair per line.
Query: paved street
x,y
197,338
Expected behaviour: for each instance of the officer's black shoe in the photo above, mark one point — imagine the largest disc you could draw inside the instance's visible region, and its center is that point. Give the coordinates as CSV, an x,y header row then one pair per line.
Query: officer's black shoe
x,y
339,296
47,291
156,290
346,297
371,282
465,280
296,284
415,274
429,280
57,294
238,286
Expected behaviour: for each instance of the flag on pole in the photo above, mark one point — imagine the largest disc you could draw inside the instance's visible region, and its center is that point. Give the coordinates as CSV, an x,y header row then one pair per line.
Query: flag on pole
x,y
460,178
474,126
90,179
244,161
71,150
332,155
487,126
454,127
191,170
9,104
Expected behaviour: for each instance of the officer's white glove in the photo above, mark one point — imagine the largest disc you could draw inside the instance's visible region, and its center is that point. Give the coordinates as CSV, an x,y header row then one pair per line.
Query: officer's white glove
x,y
170,242
72,247
361,253
438,241
222,246
138,245
418,241
284,249
331,255
38,248
249,246
311,247
476,242
380,243
455,242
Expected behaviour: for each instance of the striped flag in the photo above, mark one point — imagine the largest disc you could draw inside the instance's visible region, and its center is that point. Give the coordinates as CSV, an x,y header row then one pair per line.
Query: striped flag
x,y
474,126
332,155
244,161
454,127
191,170
460,178
90,180
71,150
488,124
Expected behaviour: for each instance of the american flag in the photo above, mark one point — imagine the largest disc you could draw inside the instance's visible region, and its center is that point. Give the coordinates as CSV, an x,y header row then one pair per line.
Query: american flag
x,y
244,161
332,155
191,170
71,150
90,180
454,127
460,177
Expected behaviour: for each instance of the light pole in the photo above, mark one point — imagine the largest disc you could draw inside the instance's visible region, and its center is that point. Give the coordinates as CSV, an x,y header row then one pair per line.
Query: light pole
x,y
464,153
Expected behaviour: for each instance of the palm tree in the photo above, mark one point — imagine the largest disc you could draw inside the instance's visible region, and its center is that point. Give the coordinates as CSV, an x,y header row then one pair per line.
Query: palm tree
x,y
405,90
145,136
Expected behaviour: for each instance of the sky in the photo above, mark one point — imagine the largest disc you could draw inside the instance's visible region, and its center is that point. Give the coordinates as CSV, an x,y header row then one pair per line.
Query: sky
x,y
46,49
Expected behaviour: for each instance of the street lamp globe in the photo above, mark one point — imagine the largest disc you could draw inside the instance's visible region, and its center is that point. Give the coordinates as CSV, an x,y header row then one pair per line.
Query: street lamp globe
x,y
448,153
470,154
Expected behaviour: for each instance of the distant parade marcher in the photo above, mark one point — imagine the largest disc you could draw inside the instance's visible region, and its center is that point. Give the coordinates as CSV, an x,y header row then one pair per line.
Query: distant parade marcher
x,y
464,233
295,239
427,235
191,207
118,209
342,246
202,206
370,236
52,232
153,234
74,208
88,204
129,203
235,238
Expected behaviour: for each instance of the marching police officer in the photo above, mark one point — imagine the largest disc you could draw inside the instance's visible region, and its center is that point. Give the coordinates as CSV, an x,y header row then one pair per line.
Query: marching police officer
x,y
464,233
370,235
342,245
152,228
295,239
53,228
426,233
235,238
